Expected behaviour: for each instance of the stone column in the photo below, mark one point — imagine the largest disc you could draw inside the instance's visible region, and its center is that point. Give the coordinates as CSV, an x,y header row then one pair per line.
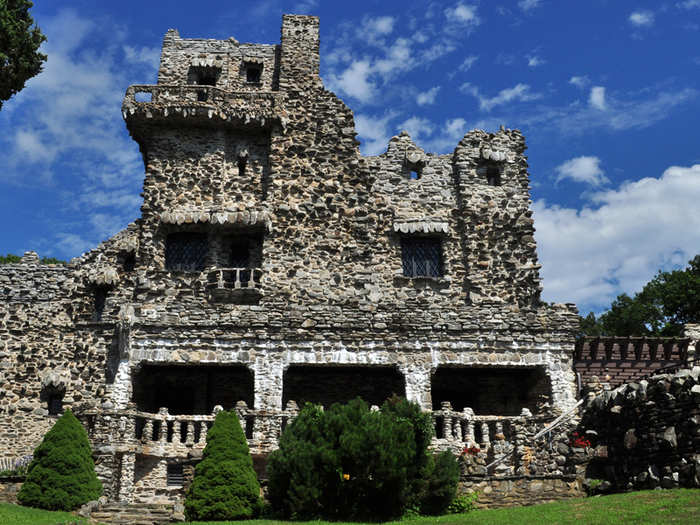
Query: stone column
x,y
126,479
417,378
268,372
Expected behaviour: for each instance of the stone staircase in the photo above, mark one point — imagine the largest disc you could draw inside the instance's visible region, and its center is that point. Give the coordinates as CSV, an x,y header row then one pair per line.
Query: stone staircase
x,y
133,514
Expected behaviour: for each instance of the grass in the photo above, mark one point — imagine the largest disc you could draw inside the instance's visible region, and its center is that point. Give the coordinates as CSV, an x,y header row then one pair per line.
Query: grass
x,y
17,515
646,507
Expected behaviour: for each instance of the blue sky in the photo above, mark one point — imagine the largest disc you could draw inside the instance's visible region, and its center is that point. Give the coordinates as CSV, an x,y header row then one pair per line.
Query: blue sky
x,y
607,93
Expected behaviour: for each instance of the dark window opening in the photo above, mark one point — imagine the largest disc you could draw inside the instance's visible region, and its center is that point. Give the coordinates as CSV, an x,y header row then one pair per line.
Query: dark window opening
x,y
129,262
191,390
55,404
186,252
99,299
326,385
253,72
491,391
421,257
203,76
175,475
493,176
242,161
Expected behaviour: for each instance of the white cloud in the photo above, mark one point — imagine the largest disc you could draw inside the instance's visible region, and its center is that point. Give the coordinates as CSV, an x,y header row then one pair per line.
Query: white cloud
x,y
689,4
618,241
378,26
305,7
526,5
463,14
519,92
597,98
582,169
427,97
354,81
534,61
468,62
417,127
641,18
373,132
144,55
579,82
64,130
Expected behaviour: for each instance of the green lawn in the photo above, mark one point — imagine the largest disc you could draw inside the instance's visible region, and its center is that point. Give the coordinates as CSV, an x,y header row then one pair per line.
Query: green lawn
x,y
646,507
16,515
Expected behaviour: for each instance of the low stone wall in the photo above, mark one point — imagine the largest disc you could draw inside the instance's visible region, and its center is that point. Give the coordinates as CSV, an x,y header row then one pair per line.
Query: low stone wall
x,y
510,491
9,487
647,433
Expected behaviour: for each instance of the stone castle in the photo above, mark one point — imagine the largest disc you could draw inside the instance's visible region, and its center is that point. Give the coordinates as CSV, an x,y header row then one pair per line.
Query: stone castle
x,y
272,265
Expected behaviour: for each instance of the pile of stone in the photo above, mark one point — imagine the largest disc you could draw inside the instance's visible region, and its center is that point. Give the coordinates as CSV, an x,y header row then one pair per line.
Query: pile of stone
x,y
650,430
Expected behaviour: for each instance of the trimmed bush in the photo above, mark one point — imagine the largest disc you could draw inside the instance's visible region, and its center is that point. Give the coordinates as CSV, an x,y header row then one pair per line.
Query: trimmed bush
x,y
62,474
442,480
225,486
353,463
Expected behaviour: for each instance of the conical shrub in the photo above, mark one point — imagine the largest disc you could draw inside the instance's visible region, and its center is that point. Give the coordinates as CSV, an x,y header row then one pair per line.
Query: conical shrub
x,y
225,486
62,473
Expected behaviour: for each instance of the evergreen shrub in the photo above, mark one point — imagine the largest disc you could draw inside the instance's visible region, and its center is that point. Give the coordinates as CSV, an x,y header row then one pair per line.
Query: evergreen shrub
x,y
62,474
353,463
225,486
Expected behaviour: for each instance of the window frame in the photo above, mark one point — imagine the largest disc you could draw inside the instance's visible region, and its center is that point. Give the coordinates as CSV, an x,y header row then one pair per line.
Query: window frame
x,y
416,256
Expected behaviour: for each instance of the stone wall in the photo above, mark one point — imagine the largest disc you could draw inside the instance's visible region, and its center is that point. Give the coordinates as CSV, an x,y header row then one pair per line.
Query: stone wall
x,y
9,487
648,432
495,492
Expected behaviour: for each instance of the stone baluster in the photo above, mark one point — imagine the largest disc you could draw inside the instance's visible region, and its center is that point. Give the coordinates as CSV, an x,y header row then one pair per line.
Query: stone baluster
x,y
163,427
219,279
186,435
237,282
499,431
147,434
177,432
485,435
446,419
468,416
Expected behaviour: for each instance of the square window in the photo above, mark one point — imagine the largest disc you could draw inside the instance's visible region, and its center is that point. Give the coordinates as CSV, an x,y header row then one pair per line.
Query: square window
x,y
253,72
203,75
421,256
175,476
186,252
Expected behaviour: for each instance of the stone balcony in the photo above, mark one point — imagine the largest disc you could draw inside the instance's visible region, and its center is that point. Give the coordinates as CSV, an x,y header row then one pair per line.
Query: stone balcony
x,y
234,285
151,104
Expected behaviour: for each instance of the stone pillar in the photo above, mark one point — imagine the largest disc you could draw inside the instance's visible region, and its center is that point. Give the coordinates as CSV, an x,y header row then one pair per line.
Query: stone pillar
x,y
126,477
267,378
417,378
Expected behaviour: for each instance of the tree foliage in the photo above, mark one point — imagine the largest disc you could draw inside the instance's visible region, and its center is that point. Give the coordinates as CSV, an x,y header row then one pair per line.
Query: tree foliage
x,y
11,258
62,473
20,39
350,462
666,303
225,486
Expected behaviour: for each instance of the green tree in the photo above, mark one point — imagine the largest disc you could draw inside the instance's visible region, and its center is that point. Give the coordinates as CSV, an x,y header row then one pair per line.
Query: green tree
x,y
9,258
350,462
666,303
20,39
225,486
62,473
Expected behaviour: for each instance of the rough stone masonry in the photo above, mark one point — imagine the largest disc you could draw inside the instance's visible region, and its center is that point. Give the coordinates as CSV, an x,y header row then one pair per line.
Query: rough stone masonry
x,y
273,264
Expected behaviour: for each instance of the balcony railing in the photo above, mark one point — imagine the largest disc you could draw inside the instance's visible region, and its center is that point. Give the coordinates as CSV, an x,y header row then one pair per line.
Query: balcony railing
x,y
244,107
234,284
166,435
